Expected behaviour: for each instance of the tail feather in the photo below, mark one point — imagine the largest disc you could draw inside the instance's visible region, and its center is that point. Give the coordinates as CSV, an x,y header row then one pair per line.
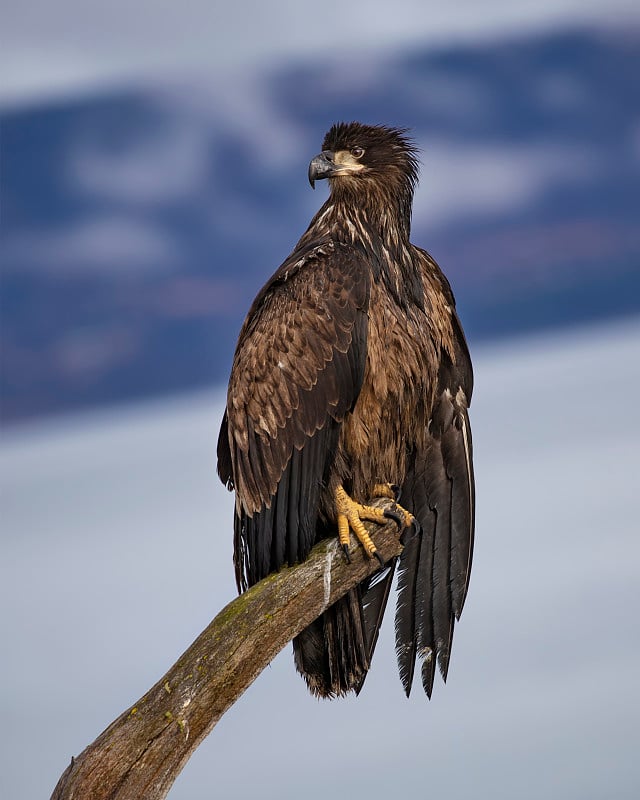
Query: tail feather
x,y
334,653
375,593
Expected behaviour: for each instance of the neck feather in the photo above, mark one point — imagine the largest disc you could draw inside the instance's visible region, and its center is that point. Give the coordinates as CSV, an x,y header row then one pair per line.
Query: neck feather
x,y
379,223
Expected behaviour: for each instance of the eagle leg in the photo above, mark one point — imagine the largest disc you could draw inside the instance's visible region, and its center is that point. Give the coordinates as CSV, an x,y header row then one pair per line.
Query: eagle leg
x,y
350,515
390,490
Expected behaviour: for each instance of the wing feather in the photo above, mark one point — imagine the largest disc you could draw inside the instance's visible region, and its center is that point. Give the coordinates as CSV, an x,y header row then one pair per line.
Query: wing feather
x,y
439,489
424,601
456,451
294,472
298,369
406,639
374,593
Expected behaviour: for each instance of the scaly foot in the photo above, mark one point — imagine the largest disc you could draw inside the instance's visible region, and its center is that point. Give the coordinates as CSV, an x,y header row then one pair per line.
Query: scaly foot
x,y
350,515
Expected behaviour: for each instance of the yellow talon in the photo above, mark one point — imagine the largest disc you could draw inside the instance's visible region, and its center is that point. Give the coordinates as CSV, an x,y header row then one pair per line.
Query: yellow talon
x,y
350,515
343,529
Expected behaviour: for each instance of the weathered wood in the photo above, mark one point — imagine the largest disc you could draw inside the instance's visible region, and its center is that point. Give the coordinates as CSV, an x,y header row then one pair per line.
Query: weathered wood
x,y
142,752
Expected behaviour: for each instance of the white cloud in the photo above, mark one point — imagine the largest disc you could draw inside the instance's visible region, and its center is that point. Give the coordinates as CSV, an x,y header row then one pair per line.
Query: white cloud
x,y
459,180
113,245
168,163
73,46
90,350
171,157
246,112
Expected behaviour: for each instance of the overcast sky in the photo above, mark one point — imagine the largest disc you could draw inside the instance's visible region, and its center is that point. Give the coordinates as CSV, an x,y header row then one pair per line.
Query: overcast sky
x,y
70,46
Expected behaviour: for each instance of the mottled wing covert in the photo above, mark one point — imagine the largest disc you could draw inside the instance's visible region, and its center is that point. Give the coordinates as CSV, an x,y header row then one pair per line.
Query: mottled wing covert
x,y
297,370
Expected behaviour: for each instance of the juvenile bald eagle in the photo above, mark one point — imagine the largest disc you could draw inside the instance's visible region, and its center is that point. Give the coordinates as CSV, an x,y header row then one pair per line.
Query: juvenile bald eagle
x,y
352,375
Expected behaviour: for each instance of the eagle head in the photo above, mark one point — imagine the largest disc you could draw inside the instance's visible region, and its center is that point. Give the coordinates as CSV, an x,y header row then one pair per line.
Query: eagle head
x,y
360,153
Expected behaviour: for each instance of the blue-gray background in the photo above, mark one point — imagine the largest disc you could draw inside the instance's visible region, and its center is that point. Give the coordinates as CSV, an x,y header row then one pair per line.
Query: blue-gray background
x,y
153,176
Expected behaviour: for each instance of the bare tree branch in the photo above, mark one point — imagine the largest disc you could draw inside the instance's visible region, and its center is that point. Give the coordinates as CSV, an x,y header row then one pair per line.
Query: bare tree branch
x,y
142,752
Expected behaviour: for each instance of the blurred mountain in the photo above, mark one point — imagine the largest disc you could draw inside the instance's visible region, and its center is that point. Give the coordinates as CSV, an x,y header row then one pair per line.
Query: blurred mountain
x,y
137,226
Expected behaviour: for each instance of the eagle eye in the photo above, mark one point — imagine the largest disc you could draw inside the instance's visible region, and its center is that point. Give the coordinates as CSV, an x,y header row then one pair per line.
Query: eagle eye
x,y
357,152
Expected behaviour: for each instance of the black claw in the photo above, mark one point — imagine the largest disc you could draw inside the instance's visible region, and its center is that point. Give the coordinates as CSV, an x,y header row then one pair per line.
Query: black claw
x,y
345,550
395,517
414,529
396,491
379,557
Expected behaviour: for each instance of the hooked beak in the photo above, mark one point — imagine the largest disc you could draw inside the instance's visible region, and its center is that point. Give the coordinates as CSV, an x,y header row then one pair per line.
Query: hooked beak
x,y
322,166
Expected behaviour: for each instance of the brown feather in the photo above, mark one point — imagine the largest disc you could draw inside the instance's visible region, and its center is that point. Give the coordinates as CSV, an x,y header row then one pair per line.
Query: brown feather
x,y
351,368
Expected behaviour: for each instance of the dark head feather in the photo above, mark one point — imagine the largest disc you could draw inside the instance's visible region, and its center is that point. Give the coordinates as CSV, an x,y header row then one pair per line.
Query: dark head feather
x,y
388,152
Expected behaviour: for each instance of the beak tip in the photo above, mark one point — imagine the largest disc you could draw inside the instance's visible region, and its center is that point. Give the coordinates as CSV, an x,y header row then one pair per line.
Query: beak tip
x,y
321,167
